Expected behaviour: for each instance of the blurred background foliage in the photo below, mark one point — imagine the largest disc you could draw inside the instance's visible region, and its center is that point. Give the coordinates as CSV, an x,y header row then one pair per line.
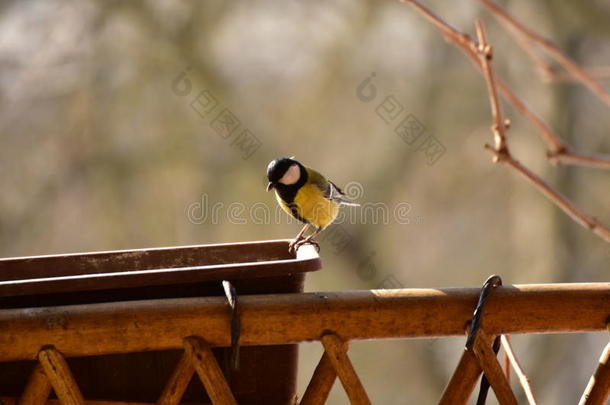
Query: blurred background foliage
x,y
99,151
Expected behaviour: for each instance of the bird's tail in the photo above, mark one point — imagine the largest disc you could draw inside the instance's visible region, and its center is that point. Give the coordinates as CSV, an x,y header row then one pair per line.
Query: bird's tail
x,y
344,201
350,204
337,195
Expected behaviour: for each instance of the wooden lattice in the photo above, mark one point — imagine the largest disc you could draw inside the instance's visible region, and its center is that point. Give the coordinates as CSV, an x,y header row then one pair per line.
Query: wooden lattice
x,y
333,319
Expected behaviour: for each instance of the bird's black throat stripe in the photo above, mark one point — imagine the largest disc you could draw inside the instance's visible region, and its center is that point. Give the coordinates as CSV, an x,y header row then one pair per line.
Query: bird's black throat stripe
x,y
288,193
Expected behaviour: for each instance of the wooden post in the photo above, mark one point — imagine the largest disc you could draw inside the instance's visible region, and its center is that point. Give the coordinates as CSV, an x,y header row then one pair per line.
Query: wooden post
x,y
337,354
37,389
176,385
321,383
209,372
598,389
464,379
60,376
492,369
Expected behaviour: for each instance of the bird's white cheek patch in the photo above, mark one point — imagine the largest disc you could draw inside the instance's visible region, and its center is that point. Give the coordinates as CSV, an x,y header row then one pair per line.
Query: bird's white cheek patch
x,y
291,176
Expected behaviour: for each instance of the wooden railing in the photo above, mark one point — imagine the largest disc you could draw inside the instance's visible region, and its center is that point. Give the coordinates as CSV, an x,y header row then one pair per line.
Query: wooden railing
x,y
333,318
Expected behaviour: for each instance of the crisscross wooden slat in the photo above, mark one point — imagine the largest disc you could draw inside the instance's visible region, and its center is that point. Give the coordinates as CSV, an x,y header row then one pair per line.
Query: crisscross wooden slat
x,y
37,389
337,354
464,379
598,389
321,383
209,372
492,369
511,359
60,376
176,385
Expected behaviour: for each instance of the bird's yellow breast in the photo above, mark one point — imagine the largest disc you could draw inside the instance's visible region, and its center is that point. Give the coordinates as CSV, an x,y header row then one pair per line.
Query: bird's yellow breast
x,y
313,206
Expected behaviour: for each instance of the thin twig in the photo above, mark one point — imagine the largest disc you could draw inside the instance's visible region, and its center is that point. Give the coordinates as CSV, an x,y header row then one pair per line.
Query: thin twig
x,y
567,157
544,68
597,73
552,50
499,124
557,198
523,378
449,32
552,140
555,145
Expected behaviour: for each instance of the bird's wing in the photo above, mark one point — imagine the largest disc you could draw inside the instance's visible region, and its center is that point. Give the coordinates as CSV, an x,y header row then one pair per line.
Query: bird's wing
x,y
328,188
336,194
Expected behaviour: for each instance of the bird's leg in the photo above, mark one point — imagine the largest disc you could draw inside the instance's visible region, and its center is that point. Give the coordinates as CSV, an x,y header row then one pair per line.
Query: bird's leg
x,y
309,240
292,247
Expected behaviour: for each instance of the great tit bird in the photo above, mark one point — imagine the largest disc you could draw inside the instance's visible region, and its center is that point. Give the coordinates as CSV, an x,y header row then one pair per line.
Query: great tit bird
x,y
306,195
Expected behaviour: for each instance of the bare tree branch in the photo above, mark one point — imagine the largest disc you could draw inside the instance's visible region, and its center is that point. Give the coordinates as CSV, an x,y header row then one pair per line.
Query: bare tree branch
x,y
502,153
556,197
597,73
600,162
480,52
558,152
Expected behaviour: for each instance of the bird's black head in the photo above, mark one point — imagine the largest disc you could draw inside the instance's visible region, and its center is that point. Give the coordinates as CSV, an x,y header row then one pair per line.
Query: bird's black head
x,y
286,171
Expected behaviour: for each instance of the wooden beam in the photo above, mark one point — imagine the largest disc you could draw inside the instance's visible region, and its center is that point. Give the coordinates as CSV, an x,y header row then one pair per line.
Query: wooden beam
x,y
598,389
135,326
321,383
37,389
209,372
176,385
337,354
60,376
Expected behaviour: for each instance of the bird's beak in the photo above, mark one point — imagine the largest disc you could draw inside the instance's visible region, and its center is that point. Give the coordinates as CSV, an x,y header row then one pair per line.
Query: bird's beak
x,y
270,186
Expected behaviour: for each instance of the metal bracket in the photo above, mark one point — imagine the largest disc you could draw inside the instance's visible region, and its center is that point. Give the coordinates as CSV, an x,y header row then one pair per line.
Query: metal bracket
x,y
231,295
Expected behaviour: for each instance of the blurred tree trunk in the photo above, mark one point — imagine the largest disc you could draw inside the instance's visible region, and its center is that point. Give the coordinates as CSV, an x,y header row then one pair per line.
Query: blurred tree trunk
x,y
567,256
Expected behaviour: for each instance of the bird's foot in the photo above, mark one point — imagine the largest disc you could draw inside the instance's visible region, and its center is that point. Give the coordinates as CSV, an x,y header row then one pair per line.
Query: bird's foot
x,y
315,244
296,244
